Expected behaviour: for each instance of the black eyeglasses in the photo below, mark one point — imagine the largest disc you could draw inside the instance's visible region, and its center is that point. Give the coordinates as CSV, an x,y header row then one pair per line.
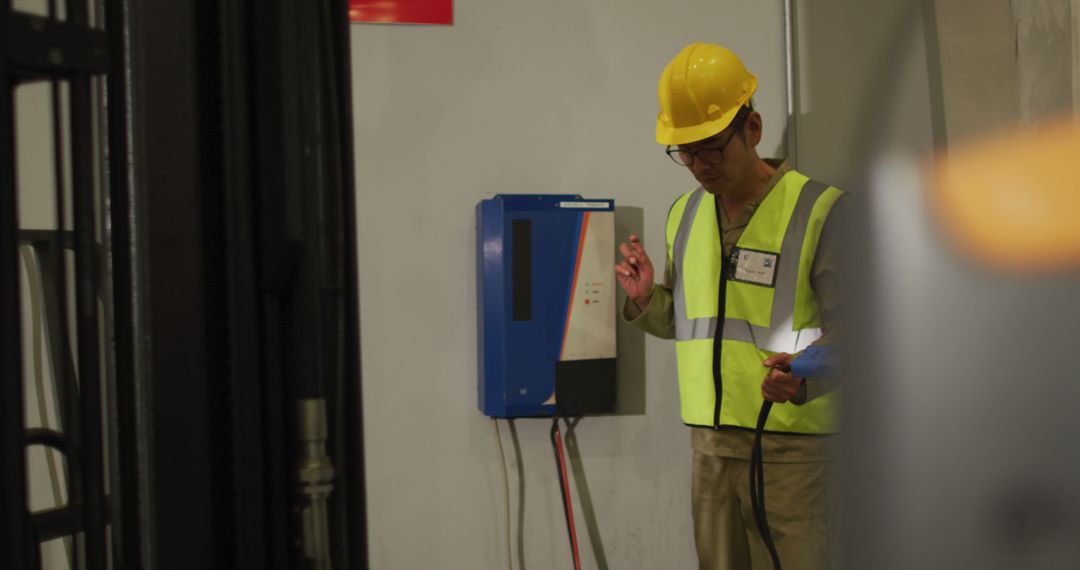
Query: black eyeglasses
x,y
712,156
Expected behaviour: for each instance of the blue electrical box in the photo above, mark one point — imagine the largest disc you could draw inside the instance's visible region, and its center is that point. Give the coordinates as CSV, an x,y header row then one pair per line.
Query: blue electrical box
x,y
546,305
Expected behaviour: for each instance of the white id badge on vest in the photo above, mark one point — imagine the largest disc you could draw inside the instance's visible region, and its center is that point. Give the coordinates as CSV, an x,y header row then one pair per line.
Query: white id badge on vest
x,y
756,267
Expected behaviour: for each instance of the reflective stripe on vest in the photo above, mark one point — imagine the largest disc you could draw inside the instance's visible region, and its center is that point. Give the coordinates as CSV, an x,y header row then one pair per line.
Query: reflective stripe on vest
x,y
764,320
772,340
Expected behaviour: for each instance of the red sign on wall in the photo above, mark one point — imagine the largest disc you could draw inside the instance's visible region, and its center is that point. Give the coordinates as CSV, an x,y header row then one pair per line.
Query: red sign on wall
x,y
402,11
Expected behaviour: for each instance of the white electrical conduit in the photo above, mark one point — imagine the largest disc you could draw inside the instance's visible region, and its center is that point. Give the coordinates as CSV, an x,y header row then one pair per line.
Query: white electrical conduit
x,y
34,278
506,492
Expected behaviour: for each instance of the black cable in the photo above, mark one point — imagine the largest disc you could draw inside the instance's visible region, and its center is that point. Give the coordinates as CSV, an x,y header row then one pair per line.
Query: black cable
x,y
757,486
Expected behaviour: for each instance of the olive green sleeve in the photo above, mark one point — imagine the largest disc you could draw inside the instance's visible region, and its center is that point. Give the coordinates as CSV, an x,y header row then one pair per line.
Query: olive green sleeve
x,y
658,318
825,281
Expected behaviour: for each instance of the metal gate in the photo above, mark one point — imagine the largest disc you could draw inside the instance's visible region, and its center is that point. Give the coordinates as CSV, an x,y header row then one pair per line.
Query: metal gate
x,y
178,286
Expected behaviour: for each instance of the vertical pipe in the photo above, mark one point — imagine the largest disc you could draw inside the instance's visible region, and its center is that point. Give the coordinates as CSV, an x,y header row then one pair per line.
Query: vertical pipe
x,y
132,397
110,425
933,73
14,537
315,476
791,66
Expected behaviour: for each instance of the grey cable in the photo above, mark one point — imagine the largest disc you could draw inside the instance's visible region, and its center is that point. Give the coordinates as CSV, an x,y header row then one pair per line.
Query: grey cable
x,y
506,492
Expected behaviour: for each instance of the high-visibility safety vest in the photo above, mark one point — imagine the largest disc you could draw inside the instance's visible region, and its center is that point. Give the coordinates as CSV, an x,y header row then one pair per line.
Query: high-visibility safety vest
x,y
768,305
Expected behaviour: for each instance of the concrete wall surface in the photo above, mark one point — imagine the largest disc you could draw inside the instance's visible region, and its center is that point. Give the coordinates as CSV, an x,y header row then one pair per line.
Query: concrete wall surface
x,y
520,97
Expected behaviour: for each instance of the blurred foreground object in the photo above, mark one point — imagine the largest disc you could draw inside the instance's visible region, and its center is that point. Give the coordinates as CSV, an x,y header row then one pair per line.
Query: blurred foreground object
x,y
1012,201
960,430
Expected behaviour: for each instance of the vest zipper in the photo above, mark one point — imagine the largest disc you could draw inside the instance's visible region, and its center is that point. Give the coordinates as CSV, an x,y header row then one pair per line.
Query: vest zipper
x,y
718,339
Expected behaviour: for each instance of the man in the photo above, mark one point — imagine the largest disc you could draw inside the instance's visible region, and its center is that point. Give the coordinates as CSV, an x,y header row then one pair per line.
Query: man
x,y
748,282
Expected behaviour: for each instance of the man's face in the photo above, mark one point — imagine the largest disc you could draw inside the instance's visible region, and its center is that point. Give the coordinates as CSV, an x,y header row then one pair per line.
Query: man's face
x,y
719,162
712,163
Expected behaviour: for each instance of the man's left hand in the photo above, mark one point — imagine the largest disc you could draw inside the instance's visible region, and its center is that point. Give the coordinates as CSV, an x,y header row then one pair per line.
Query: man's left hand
x,y
779,385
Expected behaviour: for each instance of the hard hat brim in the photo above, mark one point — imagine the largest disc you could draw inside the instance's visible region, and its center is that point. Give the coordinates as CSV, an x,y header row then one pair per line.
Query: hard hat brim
x,y
695,133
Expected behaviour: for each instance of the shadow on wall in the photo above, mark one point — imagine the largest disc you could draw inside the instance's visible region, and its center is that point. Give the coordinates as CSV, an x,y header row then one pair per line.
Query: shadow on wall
x,y
846,99
630,342
783,148
581,485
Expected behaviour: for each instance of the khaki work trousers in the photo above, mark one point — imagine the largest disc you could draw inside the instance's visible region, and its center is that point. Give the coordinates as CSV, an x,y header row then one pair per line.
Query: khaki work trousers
x,y
796,502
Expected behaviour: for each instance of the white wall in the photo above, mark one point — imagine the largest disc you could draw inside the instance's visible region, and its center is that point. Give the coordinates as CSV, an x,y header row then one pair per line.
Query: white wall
x,y
36,187
518,97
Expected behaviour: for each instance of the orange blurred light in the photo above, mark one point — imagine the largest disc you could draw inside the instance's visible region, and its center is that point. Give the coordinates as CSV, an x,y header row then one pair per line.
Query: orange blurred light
x,y
1012,201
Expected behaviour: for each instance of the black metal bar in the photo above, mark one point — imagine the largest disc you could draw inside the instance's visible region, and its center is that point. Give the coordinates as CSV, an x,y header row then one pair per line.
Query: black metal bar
x,y
350,538
277,473
314,336
89,358
86,307
58,522
40,47
36,237
169,185
47,437
15,537
280,235
247,382
215,193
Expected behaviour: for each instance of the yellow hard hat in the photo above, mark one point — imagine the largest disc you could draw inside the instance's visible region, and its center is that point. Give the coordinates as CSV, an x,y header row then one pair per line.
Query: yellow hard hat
x,y
700,92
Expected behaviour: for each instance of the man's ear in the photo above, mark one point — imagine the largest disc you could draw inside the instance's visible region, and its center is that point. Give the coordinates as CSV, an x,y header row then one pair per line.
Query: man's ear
x,y
753,128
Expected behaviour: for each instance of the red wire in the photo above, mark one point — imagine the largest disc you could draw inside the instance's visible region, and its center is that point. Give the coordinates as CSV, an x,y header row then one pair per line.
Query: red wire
x,y
569,505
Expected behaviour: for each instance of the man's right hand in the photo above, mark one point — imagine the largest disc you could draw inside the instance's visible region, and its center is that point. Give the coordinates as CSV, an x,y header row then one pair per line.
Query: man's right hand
x,y
635,272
